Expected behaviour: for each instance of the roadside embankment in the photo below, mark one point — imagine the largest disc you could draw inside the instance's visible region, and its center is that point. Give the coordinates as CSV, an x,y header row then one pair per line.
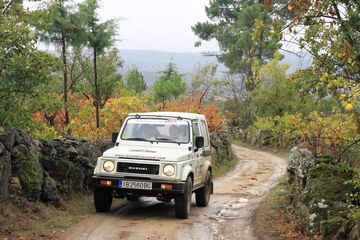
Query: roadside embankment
x,y
39,170
324,196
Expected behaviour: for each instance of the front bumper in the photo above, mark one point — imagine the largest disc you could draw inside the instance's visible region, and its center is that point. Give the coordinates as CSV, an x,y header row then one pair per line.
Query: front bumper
x,y
177,187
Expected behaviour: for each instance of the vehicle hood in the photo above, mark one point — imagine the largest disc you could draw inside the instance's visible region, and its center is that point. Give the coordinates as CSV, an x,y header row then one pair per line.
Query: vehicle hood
x,y
146,153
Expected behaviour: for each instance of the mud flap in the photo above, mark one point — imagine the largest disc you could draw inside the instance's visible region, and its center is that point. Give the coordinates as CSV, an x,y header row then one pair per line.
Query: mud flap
x,y
212,187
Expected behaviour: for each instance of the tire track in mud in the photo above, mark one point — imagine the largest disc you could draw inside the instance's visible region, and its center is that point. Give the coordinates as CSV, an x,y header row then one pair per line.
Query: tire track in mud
x,y
228,216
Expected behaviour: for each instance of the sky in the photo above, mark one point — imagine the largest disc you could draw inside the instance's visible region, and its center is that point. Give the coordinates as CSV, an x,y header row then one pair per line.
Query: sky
x,y
163,25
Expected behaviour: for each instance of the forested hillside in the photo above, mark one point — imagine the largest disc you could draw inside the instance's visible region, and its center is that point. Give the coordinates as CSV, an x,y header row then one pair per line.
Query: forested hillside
x,y
80,92
151,62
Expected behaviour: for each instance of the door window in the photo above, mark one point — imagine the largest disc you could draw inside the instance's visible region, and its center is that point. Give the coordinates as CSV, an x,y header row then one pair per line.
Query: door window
x,y
205,133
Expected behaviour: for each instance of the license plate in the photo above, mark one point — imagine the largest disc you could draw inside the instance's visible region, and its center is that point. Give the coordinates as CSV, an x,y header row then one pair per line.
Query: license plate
x,y
135,185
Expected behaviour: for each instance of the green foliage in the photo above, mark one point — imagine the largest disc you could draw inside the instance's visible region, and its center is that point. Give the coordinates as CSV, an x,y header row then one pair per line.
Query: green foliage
x,y
331,35
279,94
22,67
135,80
59,24
169,85
82,73
275,125
244,31
353,198
99,35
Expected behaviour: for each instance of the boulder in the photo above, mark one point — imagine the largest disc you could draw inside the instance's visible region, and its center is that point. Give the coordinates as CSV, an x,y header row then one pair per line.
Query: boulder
x,y
15,186
49,191
19,154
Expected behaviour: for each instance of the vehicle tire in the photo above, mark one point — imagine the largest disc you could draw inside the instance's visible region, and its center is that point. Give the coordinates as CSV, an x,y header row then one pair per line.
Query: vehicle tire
x,y
183,201
202,195
102,199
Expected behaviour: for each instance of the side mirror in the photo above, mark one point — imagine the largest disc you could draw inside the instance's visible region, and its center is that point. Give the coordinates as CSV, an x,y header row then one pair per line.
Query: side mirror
x,y
199,142
114,136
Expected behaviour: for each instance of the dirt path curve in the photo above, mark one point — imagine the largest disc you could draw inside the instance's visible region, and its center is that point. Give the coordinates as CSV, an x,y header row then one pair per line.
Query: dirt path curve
x,y
228,216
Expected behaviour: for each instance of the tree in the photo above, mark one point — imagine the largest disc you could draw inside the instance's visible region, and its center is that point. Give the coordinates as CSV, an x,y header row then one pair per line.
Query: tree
x,y
99,37
278,94
331,33
108,71
22,66
204,79
244,31
59,26
169,85
135,80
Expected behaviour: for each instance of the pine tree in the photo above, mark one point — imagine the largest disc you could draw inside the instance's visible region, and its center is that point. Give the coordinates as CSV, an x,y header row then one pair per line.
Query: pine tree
x,y
99,37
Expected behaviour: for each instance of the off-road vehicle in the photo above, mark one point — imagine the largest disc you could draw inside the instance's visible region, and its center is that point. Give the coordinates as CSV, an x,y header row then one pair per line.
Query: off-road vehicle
x,y
166,155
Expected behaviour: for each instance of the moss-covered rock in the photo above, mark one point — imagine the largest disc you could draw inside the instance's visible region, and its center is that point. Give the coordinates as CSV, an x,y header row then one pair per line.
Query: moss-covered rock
x,y
319,190
31,175
49,191
221,142
70,161
68,165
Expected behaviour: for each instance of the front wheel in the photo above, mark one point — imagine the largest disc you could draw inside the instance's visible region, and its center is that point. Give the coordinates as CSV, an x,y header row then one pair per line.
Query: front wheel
x,y
183,201
202,195
102,199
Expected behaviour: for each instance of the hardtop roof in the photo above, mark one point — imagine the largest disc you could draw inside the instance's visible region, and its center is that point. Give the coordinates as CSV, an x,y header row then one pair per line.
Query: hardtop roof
x,y
170,114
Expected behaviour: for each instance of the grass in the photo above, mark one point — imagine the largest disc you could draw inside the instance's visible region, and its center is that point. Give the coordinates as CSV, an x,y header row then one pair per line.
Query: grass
x,y
225,167
272,220
37,220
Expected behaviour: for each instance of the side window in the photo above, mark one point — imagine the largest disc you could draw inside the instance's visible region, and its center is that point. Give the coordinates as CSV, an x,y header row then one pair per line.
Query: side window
x,y
206,133
195,128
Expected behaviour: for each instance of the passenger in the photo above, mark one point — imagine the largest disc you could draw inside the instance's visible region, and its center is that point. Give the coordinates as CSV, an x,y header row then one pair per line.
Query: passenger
x,y
178,133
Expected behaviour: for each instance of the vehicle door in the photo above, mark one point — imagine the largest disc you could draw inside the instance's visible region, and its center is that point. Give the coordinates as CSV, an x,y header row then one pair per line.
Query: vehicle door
x,y
205,152
196,152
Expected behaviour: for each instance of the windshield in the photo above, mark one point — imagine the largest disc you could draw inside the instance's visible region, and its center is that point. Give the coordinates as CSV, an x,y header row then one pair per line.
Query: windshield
x,y
159,130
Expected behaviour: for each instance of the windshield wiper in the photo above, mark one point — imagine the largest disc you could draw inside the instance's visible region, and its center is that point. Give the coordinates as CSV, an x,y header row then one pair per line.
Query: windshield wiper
x,y
167,139
140,139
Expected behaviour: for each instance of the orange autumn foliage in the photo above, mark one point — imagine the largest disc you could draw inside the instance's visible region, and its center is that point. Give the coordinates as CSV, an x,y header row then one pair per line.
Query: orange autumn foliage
x,y
112,114
192,105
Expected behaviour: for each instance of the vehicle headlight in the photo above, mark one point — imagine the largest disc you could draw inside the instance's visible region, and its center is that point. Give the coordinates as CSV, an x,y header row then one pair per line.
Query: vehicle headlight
x,y
108,166
169,170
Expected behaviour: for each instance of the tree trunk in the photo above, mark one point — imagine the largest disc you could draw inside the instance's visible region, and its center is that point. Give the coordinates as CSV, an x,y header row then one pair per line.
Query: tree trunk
x,y
63,41
97,97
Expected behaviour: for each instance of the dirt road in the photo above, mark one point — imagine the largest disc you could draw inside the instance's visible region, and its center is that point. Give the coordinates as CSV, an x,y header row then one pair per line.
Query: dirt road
x,y
228,216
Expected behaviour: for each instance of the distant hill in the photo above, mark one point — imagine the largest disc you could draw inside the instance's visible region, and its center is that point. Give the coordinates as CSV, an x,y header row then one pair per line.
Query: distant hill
x,y
151,62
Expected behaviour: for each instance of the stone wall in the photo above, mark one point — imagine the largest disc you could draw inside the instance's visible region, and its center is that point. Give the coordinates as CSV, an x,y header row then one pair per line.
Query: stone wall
x,y
319,190
265,138
221,143
43,170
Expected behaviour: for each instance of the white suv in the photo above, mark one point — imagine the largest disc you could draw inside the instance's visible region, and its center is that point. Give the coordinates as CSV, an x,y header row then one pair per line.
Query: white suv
x,y
166,155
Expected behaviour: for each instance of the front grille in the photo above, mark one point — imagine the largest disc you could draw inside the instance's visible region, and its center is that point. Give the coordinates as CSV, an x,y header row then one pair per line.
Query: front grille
x,y
137,168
